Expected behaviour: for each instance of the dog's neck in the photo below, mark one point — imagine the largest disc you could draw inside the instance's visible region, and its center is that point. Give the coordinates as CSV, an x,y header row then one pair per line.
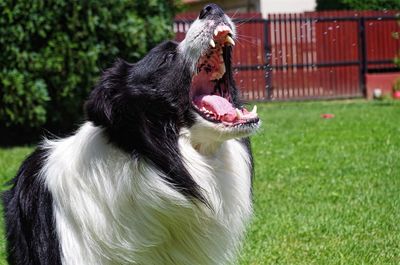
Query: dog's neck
x,y
207,149
204,144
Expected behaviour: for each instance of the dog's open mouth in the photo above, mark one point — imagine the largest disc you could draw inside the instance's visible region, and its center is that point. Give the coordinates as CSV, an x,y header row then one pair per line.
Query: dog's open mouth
x,y
210,91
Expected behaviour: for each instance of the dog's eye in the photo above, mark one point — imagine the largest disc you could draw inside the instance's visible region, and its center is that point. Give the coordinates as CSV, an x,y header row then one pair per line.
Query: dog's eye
x,y
168,58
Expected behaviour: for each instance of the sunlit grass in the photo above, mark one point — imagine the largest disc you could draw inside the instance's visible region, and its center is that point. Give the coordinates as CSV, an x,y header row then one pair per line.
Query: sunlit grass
x,y
327,191
10,160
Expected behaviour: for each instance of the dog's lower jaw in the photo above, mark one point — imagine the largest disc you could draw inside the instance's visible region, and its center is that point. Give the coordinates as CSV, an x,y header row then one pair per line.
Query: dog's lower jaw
x,y
207,137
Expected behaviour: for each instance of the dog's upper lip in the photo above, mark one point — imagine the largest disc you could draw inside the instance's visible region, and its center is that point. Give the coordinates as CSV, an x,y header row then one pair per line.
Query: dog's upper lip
x,y
224,33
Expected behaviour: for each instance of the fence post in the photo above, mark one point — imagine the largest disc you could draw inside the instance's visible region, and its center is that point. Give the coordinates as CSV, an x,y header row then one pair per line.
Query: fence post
x,y
362,55
267,66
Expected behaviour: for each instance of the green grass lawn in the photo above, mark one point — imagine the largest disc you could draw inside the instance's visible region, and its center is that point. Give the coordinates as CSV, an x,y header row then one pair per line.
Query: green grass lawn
x,y
10,160
326,191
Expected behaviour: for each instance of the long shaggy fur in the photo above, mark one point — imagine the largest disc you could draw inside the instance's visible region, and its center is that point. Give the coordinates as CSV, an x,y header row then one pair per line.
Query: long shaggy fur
x,y
145,180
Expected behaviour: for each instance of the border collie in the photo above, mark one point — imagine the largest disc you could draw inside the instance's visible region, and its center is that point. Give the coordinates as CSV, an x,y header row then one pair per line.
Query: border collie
x,y
160,173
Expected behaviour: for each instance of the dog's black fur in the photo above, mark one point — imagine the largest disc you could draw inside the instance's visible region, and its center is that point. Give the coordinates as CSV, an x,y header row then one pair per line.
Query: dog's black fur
x,y
29,218
142,106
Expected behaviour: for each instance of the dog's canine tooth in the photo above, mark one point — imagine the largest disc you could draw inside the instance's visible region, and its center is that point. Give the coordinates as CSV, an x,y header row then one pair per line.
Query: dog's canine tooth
x,y
230,40
254,110
238,113
212,43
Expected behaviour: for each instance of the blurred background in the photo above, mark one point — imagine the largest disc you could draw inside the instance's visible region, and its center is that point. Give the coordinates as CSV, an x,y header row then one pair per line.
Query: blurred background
x,y
52,53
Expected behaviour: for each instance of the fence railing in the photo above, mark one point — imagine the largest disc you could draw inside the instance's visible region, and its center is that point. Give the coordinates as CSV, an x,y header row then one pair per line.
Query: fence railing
x,y
310,55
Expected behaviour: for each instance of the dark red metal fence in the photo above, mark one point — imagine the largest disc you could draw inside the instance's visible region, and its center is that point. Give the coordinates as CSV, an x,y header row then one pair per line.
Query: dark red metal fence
x,y
310,55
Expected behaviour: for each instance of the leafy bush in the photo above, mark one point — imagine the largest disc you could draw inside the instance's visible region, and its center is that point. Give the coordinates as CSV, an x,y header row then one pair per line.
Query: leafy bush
x,y
358,4
52,52
331,5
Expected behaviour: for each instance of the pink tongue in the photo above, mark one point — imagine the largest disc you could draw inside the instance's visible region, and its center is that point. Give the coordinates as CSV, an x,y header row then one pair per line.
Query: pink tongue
x,y
218,105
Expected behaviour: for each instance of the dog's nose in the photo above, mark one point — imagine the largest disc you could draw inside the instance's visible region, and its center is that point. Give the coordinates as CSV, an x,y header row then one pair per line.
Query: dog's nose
x,y
211,10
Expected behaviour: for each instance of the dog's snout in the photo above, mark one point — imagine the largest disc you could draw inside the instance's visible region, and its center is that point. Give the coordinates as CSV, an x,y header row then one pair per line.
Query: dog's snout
x,y
211,10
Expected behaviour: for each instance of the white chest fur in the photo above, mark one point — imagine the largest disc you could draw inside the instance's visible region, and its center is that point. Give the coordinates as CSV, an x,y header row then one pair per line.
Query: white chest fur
x,y
110,209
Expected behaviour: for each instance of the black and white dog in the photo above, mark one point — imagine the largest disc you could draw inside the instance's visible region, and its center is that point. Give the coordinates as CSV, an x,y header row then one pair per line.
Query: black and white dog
x,y
159,174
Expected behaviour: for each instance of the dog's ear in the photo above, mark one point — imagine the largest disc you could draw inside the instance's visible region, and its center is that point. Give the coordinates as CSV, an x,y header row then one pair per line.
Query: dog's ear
x,y
99,107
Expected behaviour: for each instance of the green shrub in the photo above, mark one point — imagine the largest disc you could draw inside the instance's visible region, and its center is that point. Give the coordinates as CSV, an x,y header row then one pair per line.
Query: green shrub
x,y
53,51
23,98
358,4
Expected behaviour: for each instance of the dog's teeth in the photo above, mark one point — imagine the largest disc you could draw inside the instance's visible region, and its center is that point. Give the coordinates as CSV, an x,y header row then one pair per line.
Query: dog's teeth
x,y
222,28
230,40
238,114
254,110
212,43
